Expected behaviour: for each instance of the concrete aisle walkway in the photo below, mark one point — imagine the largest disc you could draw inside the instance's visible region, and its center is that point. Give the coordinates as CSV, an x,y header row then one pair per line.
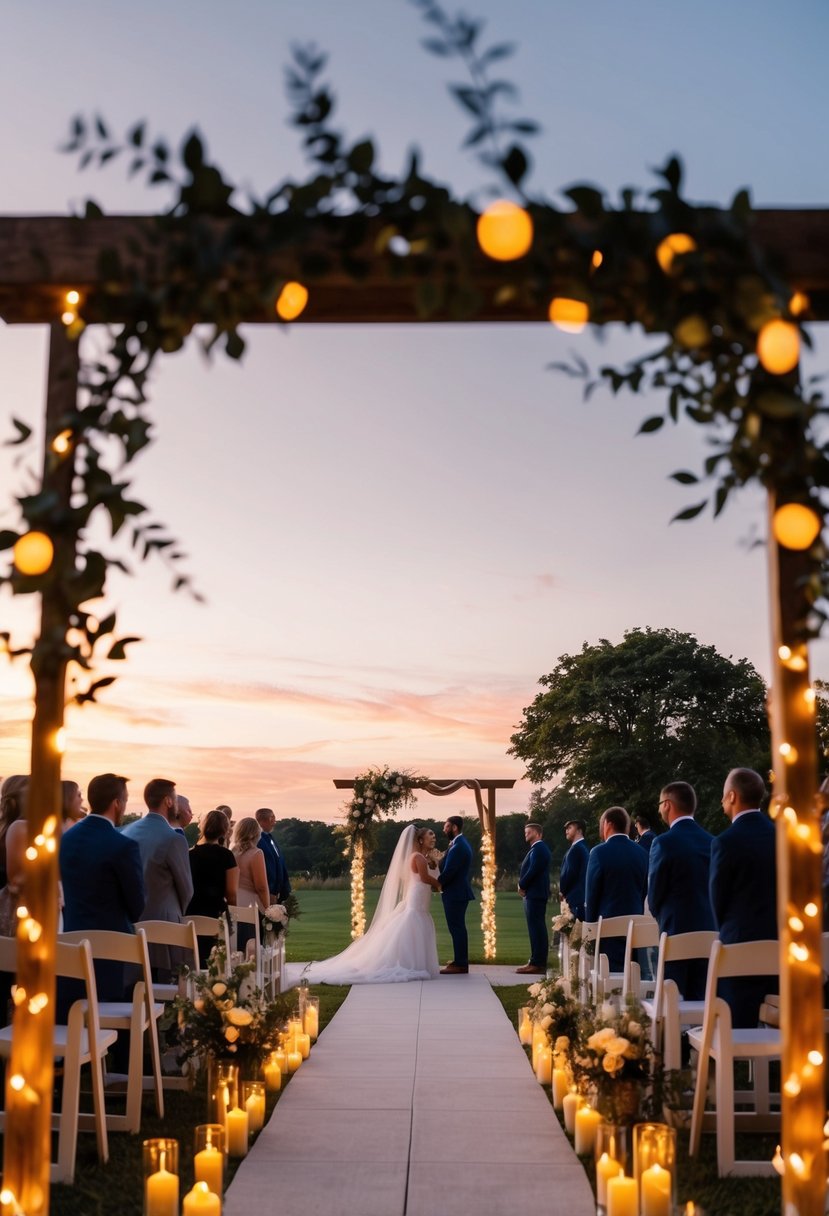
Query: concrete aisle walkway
x,y
416,1099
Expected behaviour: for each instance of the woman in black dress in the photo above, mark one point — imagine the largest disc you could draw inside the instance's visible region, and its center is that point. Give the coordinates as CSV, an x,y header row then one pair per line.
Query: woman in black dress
x,y
215,875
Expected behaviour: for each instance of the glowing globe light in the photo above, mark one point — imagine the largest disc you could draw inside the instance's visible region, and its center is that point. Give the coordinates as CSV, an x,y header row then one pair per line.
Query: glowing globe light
x,y
33,553
675,243
799,303
597,259
73,298
778,346
571,316
796,526
505,231
291,301
692,332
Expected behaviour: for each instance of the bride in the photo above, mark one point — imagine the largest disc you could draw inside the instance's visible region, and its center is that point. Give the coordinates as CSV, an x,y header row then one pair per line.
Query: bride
x,y
399,944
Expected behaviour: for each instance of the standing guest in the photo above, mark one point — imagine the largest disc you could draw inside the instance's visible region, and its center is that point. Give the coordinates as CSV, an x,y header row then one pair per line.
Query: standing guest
x,y
743,887
678,876
14,832
164,857
534,889
253,877
617,879
456,893
73,809
215,875
645,835
184,815
279,884
102,875
571,880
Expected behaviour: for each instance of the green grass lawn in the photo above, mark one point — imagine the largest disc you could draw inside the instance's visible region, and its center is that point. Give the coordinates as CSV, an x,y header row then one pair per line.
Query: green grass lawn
x,y
324,927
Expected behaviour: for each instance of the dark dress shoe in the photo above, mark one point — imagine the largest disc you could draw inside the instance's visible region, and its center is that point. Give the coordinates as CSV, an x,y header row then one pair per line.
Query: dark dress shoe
x,y
454,969
530,969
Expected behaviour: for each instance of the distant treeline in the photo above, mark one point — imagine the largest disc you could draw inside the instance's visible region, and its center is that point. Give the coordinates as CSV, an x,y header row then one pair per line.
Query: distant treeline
x,y
314,850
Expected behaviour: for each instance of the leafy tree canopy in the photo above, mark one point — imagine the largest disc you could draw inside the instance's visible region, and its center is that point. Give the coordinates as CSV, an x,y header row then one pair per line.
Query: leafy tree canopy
x,y
615,723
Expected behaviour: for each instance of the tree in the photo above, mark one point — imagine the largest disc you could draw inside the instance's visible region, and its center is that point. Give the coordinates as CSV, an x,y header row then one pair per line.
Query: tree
x,y
615,723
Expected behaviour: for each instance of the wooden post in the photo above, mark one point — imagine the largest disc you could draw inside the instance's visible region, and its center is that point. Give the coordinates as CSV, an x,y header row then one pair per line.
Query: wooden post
x,y
29,1077
799,899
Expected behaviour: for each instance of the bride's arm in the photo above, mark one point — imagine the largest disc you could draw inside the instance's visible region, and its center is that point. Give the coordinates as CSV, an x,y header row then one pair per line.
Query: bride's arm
x,y
422,870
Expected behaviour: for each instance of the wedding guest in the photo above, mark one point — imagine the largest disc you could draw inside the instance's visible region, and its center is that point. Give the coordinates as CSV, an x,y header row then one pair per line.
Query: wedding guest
x,y
253,878
73,809
617,879
574,867
184,815
13,830
279,884
743,887
645,835
534,889
215,875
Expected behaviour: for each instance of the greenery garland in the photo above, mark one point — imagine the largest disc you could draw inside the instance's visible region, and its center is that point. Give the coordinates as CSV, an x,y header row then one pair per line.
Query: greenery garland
x,y
379,793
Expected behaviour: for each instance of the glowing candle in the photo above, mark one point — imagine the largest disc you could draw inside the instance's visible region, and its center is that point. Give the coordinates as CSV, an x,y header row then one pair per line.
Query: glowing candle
x,y
656,1191
162,1194
201,1201
544,1067
622,1196
208,1167
561,1086
255,1105
294,1060
525,1027
280,1058
303,1045
236,1122
570,1105
312,1022
273,1073
587,1120
606,1168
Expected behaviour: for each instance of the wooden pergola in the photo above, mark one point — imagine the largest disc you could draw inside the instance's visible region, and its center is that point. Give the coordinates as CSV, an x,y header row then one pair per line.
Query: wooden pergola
x,y
443,786
41,258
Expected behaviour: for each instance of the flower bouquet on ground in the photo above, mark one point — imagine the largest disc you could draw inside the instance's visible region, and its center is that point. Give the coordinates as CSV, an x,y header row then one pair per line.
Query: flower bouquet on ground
x,y
615,1063
225,1017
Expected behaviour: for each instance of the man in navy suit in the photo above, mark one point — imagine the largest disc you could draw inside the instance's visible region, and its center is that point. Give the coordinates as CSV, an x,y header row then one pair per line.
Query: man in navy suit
x,y
645,835
574,867
743,886
534,889
456,893
617,879
279,884
103,887
678,882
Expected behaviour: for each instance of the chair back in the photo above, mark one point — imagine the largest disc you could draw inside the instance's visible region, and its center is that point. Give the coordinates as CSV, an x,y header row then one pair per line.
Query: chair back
x,y
171,933
73,961
212,926
679,948
248,915
642,934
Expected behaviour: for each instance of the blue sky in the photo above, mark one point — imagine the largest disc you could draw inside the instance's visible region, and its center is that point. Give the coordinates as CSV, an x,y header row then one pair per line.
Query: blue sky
x,y
399,529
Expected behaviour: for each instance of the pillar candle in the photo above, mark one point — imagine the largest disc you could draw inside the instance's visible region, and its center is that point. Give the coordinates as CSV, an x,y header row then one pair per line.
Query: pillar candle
x,y
162,1194
544,1067
255,1106
236,1122
312,1021
587,1120
570,1105
656,1191
273,1074
201,1201
561,1085
525,1029
208,1167
622,1196
294,1060
303,1045
606,1168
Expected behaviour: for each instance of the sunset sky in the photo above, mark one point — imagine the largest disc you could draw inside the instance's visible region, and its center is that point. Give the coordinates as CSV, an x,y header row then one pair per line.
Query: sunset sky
x,y
397,529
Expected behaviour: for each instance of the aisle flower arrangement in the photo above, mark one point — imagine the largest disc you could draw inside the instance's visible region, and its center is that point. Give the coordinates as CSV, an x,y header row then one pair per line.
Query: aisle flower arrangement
x,y
565,921
557,1013
276,918
225,1017
615,1061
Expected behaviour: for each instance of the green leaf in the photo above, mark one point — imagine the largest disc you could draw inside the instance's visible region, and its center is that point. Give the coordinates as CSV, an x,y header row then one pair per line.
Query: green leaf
x,y
469,98
501,50
651,424
234,345
672,173
515,164
136,135
435,47
588,199
685,479
192,154
117,651
741,204
8,539
690,512
361,157
23,433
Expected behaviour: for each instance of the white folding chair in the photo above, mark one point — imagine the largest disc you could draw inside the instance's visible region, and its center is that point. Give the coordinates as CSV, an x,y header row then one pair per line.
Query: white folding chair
x,y
182,937
248,915
138,1016
586,957
215,927
667,1011
721,1043
603,980
642,934
81,1041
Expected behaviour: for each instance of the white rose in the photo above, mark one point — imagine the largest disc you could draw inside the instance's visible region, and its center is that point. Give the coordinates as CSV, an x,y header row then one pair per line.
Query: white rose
x,y
534,989
607,1011
634,1030
219,989
548,1008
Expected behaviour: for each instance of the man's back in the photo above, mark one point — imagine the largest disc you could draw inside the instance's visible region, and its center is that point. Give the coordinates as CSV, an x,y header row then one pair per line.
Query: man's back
x,y
743,880
678,879
101,872
573,875
617,878
167,877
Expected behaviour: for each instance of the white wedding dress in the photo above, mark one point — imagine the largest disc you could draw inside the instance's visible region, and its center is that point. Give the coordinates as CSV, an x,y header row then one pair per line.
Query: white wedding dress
x,y
400,942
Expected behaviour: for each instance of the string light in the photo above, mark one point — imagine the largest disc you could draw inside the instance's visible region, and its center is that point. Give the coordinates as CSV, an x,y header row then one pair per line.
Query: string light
x,y
358,891
811,909
570,316
799,303
673,245
504,231
796,525
33,553
789,752
488,895
778,346
291,301
62,443
778,1162
597,259
38,1003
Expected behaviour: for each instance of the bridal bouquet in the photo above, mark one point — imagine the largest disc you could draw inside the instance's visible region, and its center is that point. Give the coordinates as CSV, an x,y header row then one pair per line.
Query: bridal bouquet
x,y
226,1017
565,921
277,917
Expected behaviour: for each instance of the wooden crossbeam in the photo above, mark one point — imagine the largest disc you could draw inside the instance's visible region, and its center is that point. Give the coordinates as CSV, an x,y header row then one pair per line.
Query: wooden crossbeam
x,y
41,257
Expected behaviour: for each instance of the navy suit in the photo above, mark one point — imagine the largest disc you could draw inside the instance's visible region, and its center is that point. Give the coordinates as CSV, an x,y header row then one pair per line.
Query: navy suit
x,y
534,881
743,887
103,888
617,880
456,893
572,877
646,840
678,896
279,884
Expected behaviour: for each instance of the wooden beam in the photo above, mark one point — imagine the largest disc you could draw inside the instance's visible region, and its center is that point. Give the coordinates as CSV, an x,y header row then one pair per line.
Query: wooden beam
x,y
498,783
41,257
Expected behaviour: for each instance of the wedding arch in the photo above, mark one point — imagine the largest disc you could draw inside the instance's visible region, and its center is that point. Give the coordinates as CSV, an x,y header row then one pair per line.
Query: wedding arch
x,y
486,815
730,288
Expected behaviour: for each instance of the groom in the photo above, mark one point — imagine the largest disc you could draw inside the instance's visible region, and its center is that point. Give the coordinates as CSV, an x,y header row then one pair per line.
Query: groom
x,y
456,892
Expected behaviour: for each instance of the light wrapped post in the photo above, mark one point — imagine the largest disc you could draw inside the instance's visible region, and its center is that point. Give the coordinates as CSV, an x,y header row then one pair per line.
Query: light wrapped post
x,y
488,894
358,889
29,1077
799,897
